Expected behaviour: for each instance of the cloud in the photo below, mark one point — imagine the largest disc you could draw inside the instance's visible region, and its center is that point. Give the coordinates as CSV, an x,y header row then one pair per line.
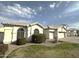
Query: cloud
x,y
10,20
40,8
17,10
74,25
67,3
55,16
72,8
52,5
58,4
59,16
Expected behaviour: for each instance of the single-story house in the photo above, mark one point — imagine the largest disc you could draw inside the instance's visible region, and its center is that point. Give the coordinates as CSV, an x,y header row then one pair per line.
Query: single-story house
x,y
10,32
55,31
72,32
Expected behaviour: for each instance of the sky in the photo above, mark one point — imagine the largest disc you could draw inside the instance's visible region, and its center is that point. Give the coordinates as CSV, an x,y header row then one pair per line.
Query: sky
x,y
44,12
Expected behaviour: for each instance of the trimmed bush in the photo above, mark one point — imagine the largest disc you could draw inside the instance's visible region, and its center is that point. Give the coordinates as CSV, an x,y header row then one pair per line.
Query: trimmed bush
x,y
3,49
21,41
39,38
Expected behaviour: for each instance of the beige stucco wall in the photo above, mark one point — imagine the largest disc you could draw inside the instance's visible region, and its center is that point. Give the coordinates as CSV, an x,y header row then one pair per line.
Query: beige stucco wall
x,y
52,30
14,33
1,29
60,29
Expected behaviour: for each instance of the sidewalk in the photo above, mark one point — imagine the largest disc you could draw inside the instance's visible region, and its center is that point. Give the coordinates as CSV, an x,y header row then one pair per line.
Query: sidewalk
x,y
71,39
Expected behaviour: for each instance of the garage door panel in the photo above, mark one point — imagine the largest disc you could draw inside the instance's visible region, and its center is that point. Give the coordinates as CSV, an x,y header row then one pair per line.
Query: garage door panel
x,y
8,36
50,35
61,35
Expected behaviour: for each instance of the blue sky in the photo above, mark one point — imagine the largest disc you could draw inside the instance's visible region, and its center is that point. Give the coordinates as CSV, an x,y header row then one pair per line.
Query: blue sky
x,y
45,12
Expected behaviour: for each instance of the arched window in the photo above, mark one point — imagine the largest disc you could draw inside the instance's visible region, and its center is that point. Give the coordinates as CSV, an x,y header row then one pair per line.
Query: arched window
x,y
36,31
20,33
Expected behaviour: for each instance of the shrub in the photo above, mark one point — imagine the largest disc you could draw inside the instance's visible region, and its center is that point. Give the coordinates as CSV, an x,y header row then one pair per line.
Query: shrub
x,y
39,38
21,41
3,49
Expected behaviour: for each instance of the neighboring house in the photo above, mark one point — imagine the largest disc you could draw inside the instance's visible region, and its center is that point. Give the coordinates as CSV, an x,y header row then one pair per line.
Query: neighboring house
x,y
72,32
55,31
11,32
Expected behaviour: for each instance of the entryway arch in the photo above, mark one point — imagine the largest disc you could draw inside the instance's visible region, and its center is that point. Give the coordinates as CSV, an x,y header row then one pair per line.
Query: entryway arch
x,y
36,31
20,33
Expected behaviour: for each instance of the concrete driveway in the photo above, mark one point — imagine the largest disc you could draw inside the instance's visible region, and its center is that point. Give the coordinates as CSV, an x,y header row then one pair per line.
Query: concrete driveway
x,y
71,39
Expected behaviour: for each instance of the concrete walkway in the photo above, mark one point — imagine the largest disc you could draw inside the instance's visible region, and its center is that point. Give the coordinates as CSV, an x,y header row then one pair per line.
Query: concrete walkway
x,y
71,39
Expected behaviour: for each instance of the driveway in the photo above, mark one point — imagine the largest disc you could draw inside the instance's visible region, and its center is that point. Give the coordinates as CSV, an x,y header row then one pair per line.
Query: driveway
x,y
71,39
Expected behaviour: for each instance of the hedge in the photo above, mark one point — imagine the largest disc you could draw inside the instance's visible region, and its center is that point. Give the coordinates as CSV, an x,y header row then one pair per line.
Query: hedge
x,y
21,41
39,38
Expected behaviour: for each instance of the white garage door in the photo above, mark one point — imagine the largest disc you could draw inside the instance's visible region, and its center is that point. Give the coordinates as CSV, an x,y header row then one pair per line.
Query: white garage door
x,y
61,35
8,36
50,36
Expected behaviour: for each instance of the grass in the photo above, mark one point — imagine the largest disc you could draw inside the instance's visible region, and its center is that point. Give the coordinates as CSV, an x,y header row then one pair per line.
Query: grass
x,y
40,51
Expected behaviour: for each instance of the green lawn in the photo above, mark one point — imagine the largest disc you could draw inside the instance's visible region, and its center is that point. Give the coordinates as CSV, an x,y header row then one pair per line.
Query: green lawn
x,y
62,50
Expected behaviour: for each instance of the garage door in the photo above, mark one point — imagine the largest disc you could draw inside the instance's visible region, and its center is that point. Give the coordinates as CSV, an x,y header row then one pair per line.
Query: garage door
x,y
50,36
8,36
1,37
61,35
